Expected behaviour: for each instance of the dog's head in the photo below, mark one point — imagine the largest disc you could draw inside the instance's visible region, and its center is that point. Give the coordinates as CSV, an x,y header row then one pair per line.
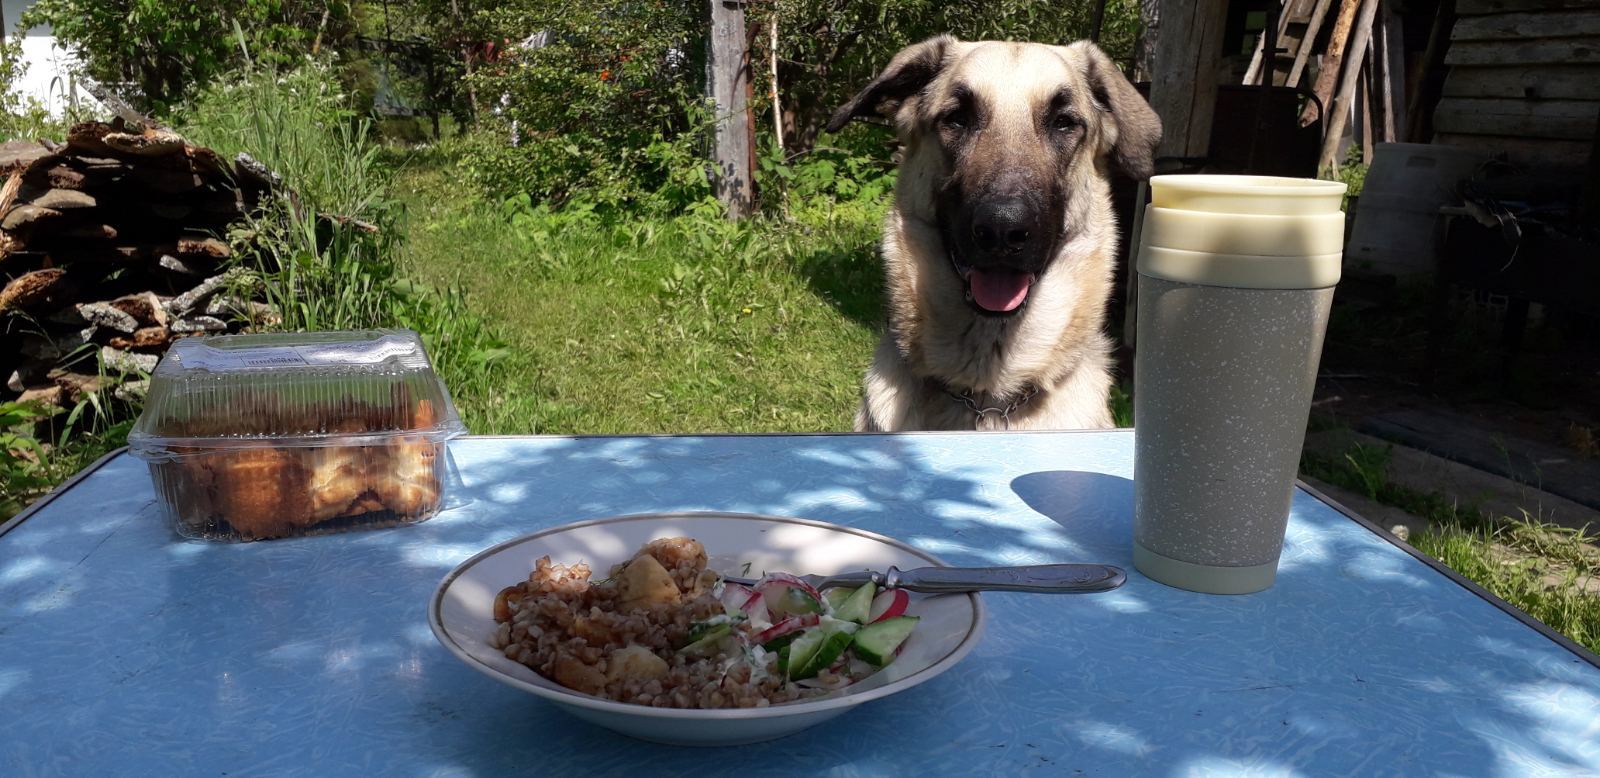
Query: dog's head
x,y
1009,132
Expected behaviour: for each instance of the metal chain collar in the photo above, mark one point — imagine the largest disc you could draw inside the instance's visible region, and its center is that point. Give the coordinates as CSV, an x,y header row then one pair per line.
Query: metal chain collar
x,y
965,398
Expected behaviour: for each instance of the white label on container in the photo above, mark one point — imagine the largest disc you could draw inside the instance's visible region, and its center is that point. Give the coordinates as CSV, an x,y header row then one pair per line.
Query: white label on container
x,y
267,357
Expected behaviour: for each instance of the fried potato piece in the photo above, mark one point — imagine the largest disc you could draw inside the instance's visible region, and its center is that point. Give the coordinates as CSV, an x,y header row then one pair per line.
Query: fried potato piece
x,y
644,582
635,663
673,552
571,672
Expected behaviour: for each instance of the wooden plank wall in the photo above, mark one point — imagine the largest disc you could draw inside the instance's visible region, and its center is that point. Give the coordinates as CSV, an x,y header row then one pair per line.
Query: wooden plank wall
x,y
1524,79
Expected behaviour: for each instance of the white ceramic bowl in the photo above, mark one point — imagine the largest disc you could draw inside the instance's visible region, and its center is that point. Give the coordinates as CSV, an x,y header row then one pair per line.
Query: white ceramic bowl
x,y
461,614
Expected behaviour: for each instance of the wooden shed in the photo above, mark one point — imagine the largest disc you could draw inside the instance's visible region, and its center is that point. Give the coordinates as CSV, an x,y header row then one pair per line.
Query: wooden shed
x,y
1524,80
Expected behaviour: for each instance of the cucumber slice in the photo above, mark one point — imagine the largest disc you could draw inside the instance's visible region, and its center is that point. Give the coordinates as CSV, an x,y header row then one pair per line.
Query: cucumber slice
x,y
707,643
801,649
832,647
876,643
836,597
781,642
856,607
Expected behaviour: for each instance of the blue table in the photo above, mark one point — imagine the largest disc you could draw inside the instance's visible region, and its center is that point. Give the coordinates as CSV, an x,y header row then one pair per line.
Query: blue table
x,y
125,650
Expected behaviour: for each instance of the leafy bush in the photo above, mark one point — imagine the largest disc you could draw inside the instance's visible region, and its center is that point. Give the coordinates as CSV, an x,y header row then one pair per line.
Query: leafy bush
x,y
598,101
158,52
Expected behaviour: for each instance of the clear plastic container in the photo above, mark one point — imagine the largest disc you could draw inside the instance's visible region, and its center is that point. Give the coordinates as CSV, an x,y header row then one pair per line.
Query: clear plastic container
x,y
269,436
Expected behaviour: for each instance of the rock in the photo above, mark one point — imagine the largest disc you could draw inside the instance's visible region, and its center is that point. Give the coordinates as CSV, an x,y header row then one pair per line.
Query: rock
x,y
17,155
132,391
108,316
150,143
64,200
59,177
143,338
49,349
188,301
68,316
43,395
144,307
177,265
87,232
168,181
88,334
38,291
127,362
204,247
78,385
88,138
22,218
251,171
195,324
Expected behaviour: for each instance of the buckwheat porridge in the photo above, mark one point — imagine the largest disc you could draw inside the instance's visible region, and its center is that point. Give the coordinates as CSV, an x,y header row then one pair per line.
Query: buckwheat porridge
x,y
664,630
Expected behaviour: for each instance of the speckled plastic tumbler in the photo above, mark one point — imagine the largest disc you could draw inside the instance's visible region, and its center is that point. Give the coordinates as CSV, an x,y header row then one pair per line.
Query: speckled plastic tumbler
x,y
1236,276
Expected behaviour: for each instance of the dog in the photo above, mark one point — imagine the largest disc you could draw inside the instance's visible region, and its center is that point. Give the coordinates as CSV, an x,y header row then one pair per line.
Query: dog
x,y
1000,246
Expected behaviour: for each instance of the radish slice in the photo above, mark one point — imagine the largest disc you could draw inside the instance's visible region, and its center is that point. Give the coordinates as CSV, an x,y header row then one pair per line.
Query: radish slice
x,y
755,607
788,580
735,596
888,604
791,624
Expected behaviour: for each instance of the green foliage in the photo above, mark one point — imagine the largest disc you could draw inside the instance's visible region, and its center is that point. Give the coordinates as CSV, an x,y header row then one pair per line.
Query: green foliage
x,y
590,96
828,49
1547,572
328,257
21,118
158,52
30,466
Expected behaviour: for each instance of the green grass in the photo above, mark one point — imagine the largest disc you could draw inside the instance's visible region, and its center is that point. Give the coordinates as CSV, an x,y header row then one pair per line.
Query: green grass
x,y
1540,569
689,324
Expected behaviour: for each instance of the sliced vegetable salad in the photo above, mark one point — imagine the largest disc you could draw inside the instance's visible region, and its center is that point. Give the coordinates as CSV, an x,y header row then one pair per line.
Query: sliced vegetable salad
x,y
823,641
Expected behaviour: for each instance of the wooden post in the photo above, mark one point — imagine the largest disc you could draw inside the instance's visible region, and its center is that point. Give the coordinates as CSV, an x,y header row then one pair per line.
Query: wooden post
x,y
1183,88
1344,98
1307,43
777,106
1097,16
1430,76
1394,57
1380,87
1144,49
1332,62
728,85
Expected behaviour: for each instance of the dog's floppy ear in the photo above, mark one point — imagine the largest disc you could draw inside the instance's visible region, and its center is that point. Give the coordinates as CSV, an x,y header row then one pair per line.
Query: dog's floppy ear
x,y
1133,130
905,75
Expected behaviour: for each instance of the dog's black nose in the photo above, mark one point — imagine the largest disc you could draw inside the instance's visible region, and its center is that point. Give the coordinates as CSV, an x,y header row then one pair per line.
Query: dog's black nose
x,y
1002,224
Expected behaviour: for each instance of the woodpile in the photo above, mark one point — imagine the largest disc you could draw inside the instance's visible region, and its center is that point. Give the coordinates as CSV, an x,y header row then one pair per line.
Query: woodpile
x,y
112,245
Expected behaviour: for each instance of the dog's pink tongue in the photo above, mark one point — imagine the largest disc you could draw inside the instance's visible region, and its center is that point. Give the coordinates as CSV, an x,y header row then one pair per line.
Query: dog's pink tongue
x,y
999,290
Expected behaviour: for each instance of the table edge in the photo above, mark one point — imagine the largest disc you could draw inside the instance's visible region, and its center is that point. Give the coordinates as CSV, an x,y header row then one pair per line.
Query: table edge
x,y
1439,567
1461,580
59,490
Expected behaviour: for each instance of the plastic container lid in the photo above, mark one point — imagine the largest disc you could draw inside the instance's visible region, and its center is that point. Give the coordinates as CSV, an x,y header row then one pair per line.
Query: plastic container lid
x,y
293,390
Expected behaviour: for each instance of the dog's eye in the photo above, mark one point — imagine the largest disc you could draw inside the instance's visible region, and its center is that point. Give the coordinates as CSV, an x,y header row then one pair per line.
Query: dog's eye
x,y
956,120
1062,122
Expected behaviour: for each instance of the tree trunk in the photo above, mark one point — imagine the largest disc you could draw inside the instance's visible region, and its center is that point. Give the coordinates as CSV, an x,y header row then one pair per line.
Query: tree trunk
x,y
1144,49
1183,91
728,84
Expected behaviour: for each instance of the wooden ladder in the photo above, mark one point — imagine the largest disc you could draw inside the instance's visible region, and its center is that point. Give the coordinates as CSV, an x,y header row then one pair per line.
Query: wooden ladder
x,y
1296,34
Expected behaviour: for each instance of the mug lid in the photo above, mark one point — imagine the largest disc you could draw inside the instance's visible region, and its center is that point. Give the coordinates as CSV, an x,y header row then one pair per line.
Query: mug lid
x,y
1234,233
1249,195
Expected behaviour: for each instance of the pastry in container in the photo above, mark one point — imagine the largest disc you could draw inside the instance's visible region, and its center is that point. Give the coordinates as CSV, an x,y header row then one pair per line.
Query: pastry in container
x,y
251,437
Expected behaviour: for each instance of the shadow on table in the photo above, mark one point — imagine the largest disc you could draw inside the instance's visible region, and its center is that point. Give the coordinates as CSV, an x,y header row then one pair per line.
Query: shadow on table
x,y
1196,684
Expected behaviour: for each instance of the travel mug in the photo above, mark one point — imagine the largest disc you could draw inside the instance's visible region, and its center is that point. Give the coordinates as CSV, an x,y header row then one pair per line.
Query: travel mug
x,y
1236,277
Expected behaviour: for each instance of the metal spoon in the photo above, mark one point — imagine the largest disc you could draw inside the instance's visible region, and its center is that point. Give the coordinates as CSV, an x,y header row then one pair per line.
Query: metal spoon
x,y
1048,579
